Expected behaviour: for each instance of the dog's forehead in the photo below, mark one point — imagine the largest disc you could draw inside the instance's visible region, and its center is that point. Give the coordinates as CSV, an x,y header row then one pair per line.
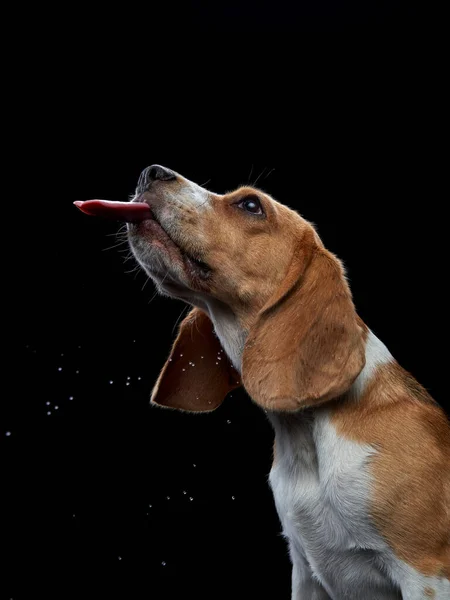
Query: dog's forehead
x,y
245,190
209,203
241,190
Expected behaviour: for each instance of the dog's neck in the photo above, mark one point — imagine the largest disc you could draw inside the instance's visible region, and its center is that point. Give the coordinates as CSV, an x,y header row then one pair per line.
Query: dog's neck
x,y
231,334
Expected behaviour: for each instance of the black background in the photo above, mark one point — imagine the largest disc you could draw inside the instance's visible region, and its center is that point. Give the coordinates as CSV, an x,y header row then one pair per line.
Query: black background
x,y
338,110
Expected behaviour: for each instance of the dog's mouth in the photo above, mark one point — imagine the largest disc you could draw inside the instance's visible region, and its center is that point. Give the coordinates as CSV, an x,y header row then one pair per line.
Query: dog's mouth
x,y
144,223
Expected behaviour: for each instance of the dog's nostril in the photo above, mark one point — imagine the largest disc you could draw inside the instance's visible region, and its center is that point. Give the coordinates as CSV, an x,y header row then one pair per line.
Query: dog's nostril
x,y
151,174
158,173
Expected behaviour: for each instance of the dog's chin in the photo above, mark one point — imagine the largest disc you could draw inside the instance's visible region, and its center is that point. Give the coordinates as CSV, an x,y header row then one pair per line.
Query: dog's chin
x,y
175,290
175,272
168,284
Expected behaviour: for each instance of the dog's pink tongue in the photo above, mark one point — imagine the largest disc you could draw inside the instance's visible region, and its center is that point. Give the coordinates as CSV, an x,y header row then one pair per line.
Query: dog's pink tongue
x,y
121,211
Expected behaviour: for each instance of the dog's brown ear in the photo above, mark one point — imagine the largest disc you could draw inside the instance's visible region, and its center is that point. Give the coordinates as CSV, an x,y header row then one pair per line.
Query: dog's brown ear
x,y
198,374
306,346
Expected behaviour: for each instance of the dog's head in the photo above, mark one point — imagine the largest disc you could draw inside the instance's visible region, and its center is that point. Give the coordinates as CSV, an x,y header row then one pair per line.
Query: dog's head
x,y
265,265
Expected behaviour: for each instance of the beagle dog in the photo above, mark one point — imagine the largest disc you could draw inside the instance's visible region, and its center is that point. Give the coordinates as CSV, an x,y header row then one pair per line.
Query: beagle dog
x,y
361,468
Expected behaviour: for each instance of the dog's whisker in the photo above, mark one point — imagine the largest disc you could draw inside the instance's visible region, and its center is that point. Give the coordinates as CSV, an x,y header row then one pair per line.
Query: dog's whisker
x,y
266,176
129,257
256,180
115,246
145,283
156,291
116,234
250,176
183,312
135,270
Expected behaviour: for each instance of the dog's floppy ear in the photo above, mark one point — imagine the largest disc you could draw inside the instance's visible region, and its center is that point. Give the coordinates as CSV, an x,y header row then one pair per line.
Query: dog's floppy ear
x,y
197,375
306,345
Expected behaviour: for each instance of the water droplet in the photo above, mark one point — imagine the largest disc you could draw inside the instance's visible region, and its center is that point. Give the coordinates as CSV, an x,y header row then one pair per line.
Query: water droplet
x,y
209,402
193,364
134,341
149,505
184,369
47,403
181,355
168,497
194,465
201,356
184,492
170,360
73,516
163,562
79,346
56,407
139,378
228,421
127,383
233,497
119,557
217,363
70,397
220,358
49,413
59,368
62,354
111,381
191,498
77,372
128,378
8,433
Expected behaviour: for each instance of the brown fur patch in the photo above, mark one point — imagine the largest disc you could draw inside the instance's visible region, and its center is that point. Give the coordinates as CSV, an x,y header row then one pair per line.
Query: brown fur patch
x,y
198,374
411,470
306,346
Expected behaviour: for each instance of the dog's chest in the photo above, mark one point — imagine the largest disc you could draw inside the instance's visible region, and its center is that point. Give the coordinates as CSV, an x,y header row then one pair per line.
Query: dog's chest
x,y
321,486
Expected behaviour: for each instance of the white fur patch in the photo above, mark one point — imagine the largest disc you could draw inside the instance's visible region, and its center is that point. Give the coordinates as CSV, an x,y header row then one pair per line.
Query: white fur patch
x,y
230,333
321,486
192,195
376,354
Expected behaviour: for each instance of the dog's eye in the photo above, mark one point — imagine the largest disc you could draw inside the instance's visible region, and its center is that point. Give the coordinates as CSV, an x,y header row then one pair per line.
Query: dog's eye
x,y
252,205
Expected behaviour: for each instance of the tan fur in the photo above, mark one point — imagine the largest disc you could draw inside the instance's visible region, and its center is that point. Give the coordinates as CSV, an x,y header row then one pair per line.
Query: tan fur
x,y
306,345
411,471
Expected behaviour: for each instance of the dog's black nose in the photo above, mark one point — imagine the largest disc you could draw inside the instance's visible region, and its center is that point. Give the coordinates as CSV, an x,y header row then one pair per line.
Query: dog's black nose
x,y
154,173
